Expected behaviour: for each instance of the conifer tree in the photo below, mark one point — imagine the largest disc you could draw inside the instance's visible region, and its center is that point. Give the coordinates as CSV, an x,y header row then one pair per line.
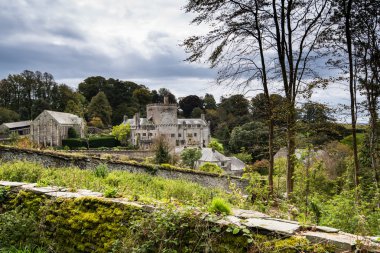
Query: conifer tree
x,y
100,107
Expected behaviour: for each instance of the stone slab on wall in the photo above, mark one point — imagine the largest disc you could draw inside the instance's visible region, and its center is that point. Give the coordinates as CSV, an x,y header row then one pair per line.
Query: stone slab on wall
x,y
256,222
50,159
132,154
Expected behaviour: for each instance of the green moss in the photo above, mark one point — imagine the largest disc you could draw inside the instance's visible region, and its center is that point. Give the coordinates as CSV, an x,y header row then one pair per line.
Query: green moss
x,y
98,225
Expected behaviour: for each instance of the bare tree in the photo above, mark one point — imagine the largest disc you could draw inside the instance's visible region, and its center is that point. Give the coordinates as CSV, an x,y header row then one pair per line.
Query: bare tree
x,y
366,39
347,8
297,28
236,45
247,36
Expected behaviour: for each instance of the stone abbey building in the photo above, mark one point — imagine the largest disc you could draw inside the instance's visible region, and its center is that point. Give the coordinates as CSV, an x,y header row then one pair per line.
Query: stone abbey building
x,y
162,120
50,127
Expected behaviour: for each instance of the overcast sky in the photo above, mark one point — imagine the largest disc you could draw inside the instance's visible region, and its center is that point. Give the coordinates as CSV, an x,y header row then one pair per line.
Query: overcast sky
x,y
125,39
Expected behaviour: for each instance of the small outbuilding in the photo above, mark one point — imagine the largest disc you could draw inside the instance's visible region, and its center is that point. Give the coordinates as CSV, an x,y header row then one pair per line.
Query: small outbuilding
x,y
20,127
50,127
231,165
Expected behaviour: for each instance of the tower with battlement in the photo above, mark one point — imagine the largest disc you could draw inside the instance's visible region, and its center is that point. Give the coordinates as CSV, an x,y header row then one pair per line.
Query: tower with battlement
x,y
162,120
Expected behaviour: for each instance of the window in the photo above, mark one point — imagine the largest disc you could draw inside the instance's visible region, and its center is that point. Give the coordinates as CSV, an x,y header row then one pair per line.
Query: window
x,y
195,134
173,135
189,135
179,135
150,134
144,134
198,126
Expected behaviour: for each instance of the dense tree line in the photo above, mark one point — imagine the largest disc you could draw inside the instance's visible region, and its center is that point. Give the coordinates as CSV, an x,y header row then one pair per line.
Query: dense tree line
x,y
237,122
101,101
29,93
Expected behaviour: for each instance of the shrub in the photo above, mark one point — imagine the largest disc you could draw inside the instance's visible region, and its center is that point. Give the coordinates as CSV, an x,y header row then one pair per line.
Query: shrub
x,y
211,167
101,170
220,206
349,139
162,150
244,156
216,145
190,155
113,180
3,193
121,133
71,133
18,228
96,122
262,167
110,192
24,142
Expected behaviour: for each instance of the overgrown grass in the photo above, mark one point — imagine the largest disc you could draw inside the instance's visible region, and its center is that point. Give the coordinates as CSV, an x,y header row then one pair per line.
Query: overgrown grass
x,y
219,205
134,186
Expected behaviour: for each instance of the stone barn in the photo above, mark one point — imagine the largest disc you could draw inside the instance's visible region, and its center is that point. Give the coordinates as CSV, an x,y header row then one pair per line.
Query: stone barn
x,y
50,127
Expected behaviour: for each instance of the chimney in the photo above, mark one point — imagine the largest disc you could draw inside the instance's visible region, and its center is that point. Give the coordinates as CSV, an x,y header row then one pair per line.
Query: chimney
x,y
203,117
125,118
166,100
137,119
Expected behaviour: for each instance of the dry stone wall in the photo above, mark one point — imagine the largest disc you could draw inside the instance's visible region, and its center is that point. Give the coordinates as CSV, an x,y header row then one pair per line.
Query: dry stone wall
x,y
255,221
56,160
133,154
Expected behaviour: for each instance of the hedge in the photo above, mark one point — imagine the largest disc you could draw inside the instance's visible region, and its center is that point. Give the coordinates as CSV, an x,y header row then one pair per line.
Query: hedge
x,y
104,141
95,142
74,143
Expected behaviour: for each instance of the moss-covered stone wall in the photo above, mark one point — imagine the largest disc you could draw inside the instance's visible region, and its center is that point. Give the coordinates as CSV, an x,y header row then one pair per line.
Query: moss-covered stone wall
x,y
56,159
88,224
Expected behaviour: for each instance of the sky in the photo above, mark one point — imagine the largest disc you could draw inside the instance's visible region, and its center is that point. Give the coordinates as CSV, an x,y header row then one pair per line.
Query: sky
x,y
122,39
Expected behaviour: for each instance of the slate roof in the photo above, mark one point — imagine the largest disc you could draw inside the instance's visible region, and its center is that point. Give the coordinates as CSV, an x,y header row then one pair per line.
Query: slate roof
x,y
145,121
237,164
191,122
19,124
65,118
210,155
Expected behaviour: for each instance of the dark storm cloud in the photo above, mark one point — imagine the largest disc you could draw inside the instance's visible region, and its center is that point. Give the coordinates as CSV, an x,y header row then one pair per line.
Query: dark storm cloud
x,y
58,60
55,37
63,61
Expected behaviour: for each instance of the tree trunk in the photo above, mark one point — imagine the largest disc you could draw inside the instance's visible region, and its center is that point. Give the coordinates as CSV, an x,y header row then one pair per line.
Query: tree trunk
x,y
271,157
267,96
373,144
291,150
352,88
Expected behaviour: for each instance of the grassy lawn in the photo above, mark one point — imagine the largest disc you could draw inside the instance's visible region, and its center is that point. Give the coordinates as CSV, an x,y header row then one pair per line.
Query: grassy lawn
x,y
133,186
